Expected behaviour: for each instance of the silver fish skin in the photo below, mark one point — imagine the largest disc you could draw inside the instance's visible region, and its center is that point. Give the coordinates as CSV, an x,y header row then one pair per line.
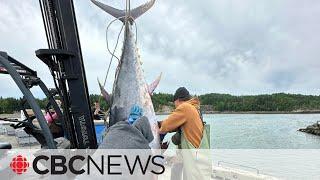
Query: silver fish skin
x,y
130,87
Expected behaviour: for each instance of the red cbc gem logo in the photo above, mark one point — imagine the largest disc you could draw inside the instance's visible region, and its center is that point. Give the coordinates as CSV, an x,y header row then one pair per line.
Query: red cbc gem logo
x,y
19,164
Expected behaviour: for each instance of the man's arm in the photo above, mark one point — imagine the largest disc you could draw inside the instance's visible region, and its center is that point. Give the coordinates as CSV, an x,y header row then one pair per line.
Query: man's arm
x,y
174,121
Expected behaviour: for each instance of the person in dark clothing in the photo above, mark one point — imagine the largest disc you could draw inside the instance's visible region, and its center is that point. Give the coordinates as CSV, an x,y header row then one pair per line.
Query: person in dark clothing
x,y
133,133
122,135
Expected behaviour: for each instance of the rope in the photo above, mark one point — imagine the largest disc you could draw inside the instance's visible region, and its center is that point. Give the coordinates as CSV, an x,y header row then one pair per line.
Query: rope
x,y
112,53
117,42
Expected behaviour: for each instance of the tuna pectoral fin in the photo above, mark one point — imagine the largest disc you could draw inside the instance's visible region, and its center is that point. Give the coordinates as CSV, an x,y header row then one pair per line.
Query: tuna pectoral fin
x,y
104,93
154,85
117,13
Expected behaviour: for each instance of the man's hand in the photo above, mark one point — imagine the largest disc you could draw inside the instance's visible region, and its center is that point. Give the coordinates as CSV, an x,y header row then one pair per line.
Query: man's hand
x,y
176,138
164,145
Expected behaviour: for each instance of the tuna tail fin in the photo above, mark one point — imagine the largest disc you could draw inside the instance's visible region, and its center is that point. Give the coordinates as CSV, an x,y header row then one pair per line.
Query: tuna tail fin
x,y
117,13
104,93
138,11
154,84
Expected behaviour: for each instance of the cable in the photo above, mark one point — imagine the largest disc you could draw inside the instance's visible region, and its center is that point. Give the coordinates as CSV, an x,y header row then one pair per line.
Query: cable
x,y
128,18
111,53
117,42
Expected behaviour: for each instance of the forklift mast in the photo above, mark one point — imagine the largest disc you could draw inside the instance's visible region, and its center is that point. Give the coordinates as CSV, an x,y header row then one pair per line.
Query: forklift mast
x,y
64,59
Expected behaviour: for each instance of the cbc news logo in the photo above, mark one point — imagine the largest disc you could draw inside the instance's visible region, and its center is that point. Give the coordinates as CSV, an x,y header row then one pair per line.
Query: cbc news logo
x,y
60,164
19,164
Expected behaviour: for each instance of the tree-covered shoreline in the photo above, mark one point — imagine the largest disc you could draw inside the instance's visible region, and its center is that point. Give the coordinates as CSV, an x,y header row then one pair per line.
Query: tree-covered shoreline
x,y
213,102
278,102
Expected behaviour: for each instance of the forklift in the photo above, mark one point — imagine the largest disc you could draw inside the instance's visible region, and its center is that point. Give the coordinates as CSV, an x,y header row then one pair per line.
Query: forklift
x,y
65,62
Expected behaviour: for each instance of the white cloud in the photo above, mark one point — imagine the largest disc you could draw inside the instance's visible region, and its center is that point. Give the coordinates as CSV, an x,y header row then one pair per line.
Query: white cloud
x,y
229,46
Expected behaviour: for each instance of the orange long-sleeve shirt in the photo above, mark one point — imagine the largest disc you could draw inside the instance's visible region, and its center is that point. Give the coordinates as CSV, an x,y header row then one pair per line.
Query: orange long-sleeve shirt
x,y
186,116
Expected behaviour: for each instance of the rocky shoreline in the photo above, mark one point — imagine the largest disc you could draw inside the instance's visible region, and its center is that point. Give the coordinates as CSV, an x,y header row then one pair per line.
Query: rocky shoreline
x,y
312,129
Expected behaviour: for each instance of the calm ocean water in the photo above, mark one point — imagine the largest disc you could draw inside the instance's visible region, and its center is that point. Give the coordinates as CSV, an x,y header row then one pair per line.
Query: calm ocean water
x,y
268,142
261,131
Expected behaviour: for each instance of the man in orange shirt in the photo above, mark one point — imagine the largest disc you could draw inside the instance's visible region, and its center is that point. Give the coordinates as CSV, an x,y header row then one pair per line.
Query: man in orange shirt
x,y
185,117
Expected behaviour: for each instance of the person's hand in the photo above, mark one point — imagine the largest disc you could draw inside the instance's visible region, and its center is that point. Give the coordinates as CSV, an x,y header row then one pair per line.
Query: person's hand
x,y
164,145
176,138
96,112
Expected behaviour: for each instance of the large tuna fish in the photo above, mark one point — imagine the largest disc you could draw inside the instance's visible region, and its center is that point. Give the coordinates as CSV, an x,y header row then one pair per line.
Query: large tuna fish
x,y
130,87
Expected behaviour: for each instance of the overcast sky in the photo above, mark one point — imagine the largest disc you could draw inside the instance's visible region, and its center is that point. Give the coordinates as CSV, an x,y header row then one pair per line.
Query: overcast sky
x,y
223,46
